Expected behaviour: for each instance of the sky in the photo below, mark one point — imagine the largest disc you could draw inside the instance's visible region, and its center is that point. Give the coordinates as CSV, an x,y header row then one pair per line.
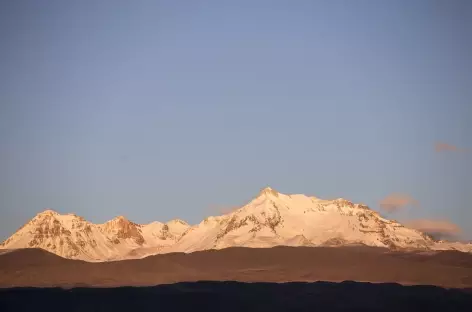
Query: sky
x,y
158,110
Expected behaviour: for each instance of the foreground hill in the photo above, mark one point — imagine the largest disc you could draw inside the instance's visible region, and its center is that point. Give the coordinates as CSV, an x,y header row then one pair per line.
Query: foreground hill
x,y
270,219
36,267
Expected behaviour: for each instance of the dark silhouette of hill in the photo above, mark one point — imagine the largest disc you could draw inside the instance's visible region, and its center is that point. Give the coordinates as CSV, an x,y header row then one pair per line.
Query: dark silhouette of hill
x,y
235,296
35,267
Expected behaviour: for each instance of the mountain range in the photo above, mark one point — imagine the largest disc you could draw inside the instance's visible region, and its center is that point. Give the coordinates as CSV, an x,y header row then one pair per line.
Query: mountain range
x,y
270,219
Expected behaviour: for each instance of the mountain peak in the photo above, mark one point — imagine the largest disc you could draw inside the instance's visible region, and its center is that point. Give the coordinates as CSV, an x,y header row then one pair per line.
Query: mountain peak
x,y
269,191
118,221
120,228
48,212
76,216
179,221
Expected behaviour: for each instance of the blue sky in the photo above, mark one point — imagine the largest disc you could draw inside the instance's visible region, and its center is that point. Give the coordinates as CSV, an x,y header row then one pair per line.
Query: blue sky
x,y
164,109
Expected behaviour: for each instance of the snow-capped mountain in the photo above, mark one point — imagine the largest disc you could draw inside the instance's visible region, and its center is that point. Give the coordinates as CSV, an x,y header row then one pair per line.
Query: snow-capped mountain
x,y
73,237
274,219
268,220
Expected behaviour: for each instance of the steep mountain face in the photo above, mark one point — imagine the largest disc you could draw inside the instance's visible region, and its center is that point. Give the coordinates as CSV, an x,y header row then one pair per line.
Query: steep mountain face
x,y
120,229
68,236
268,220
73,237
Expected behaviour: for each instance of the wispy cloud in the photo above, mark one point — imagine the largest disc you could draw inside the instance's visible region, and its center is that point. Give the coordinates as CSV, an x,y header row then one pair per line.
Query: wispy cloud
x,y
439,229
394,202
446,147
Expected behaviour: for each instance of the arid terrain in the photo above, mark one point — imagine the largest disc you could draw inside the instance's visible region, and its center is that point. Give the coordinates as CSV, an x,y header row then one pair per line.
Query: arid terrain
x,y
39,268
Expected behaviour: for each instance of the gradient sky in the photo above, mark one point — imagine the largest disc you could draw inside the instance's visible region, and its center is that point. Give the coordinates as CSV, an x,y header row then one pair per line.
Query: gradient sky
x,y
178,109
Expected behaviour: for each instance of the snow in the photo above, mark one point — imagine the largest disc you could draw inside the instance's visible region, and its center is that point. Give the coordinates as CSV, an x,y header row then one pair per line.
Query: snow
x,y
270,219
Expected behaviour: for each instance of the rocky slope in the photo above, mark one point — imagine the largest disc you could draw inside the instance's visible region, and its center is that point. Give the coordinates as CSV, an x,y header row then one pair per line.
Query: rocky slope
x,y
268,220
73,237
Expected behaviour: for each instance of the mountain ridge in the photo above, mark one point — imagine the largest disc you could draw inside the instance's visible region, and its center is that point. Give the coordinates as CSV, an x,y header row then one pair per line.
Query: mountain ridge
x,y
270,219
